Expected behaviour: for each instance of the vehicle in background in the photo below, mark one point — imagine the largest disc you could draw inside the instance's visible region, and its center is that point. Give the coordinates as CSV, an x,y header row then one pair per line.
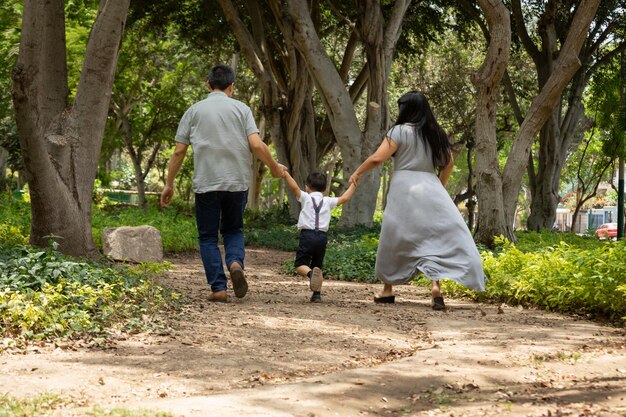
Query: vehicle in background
x,y
607,231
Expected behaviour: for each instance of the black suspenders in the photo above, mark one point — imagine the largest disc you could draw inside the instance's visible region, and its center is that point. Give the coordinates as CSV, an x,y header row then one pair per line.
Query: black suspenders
x,y
317,212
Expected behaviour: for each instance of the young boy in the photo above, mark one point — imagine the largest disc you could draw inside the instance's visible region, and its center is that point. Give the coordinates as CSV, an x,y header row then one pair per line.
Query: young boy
x,y
313,224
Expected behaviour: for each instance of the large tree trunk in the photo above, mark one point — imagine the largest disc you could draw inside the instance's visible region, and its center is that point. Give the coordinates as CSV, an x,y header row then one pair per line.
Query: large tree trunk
x,y
565,67
286,86
556,138
336,101
545,183
561,129
286,76
491,213
61,144
379,43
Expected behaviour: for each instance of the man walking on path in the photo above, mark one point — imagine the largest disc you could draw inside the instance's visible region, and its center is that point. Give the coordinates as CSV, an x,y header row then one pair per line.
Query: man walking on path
x,y
223,135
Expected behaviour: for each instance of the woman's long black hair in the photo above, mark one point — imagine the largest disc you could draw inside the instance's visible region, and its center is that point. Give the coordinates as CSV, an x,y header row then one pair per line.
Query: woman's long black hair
x,y
414,108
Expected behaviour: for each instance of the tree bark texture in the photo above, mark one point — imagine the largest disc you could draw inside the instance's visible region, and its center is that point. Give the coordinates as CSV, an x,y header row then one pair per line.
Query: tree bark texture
x,y
61,144
491,214
379,39
543,107
286,86
562,129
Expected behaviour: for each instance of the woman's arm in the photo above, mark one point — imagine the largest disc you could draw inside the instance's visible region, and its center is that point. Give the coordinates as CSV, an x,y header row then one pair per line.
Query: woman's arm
x,y
387,148
445,173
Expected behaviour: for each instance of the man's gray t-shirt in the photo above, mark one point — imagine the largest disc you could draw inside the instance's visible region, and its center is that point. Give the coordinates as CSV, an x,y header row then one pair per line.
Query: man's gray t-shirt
x,y
217,129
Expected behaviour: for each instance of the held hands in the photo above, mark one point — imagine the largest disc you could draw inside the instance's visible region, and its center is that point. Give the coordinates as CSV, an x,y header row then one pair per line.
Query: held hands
x,y
278,170
354,179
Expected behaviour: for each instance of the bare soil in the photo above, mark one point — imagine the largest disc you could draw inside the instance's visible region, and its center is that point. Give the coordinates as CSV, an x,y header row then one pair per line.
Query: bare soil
x,y
273,353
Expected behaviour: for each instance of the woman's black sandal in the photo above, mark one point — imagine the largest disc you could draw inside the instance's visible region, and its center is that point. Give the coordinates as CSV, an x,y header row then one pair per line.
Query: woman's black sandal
x,y
390,299
438,303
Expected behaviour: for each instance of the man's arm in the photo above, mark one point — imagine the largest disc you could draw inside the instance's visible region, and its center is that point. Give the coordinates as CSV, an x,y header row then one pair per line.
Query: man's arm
x,y
347,195
175,163
262,151
292,184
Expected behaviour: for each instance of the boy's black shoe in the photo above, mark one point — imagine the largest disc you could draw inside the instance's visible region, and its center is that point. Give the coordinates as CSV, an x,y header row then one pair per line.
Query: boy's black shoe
x,y
316,280
316,297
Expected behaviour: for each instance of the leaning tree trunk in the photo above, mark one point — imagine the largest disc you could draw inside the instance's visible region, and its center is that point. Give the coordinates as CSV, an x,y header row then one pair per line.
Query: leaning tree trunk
x,y
61,144
556,139
286,86
491,215
379,43
543,105
336,100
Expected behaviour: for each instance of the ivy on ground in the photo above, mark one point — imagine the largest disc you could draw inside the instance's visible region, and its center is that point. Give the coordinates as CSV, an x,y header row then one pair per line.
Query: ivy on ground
x,y
47,296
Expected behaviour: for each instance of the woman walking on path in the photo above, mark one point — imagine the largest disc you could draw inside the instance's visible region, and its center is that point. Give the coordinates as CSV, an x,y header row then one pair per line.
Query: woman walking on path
x,y
422,230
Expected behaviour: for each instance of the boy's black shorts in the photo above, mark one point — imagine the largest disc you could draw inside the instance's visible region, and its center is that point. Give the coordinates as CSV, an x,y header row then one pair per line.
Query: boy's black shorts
x,y
312,249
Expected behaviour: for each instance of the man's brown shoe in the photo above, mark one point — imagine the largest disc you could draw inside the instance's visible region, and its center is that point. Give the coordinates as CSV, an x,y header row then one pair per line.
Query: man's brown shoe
x,y
240,285
218,297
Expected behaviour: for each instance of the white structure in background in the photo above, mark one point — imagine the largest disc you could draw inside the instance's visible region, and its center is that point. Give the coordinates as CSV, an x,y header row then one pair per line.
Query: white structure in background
x,y
587,219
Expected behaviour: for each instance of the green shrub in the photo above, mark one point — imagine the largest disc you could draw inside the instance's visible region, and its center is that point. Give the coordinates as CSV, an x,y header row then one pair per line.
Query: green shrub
x,y
350,255
46,295
352,260
531,241
278,215
15,219
42,405
278,236
12,234
558,278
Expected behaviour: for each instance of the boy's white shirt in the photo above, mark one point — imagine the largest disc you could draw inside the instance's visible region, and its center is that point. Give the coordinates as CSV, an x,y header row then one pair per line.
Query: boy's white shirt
x,y
306,220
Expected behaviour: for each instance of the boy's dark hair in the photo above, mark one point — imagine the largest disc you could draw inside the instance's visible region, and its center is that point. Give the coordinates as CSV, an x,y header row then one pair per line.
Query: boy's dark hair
x,y
221,76
316,181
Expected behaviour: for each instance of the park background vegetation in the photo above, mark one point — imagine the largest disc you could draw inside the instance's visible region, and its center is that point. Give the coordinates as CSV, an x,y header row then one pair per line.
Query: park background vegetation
x,y
162,64
47,296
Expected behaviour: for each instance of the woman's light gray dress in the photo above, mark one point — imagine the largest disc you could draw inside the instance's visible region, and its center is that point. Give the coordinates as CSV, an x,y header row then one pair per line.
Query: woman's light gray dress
x,y
422,229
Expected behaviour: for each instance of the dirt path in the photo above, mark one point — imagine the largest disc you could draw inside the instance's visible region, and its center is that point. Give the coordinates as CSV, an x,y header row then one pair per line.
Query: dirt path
x,y
275,354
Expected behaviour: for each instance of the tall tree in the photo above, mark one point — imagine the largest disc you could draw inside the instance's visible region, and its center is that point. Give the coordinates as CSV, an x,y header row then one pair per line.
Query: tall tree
x,y
561,131
544,104
491,212
379,37
287,88
592,165
501,199
146,105
60,141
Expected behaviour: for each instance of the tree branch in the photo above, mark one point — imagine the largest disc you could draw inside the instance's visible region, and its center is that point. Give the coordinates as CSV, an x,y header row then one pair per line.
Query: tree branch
x,y
544,103
522,32
605,59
